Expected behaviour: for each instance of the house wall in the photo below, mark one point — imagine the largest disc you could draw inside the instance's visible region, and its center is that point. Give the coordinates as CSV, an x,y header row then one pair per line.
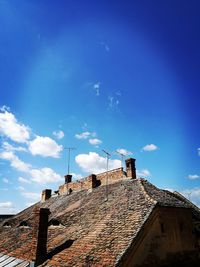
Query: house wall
x,y
113,176
93,181
167,239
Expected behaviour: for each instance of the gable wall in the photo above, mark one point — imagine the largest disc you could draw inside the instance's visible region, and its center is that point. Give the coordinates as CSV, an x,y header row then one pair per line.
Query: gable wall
x,y
168,234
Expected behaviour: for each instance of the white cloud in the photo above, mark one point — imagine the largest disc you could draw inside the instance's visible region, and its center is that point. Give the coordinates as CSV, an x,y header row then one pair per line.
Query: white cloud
x,y
7,204
45,147
11,128
59,134
23,180
124,152
31,195
143,173
20,188
96,87
4,108
113,102
198,149
107,48
95,141
83,135
76,176
193,176
45,175
94,163
150,147
6,181
15,162
8,147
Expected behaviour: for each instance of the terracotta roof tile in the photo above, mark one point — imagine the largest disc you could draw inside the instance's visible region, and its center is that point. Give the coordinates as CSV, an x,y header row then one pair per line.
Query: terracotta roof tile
x,y
93,231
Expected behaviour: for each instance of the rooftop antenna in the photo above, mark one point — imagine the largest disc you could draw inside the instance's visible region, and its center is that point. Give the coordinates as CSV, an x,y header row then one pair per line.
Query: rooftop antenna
x,y
107,155
122,157
189,194
69,153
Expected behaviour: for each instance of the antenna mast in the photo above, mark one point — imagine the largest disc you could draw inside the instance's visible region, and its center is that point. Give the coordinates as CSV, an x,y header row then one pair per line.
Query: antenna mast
x,y
122,157
69,152
108,156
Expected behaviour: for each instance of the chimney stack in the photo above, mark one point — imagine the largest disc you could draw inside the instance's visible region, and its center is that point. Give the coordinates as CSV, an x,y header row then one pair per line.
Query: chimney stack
x,y
130,168
39,235
92,181
68,178
46,194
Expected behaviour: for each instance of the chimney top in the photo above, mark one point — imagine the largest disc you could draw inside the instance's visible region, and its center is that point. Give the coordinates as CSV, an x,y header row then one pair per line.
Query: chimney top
x,y
68,178
46,194
130,168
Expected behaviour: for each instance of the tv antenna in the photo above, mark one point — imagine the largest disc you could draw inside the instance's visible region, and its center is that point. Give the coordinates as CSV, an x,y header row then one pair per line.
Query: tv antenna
x,y
189,194
69,154
122,157
107,156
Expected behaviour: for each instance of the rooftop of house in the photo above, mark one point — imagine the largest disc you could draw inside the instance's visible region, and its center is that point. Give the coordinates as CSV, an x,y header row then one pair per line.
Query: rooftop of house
x,y
87,228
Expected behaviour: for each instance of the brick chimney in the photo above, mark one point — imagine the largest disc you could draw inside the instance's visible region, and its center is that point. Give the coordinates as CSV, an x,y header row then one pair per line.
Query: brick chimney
x,y
92,181
130,168
39,235
46,194
68,178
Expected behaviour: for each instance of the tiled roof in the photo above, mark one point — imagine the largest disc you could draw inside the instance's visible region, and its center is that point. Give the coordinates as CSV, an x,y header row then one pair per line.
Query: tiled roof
x,y
92,231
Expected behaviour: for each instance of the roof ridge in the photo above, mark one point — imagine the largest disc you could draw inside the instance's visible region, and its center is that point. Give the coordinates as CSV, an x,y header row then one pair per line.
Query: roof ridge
x,y
185,200
146,194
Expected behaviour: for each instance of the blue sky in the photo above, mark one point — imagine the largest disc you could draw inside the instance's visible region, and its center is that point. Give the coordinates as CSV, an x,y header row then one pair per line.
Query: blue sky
x,y
96,75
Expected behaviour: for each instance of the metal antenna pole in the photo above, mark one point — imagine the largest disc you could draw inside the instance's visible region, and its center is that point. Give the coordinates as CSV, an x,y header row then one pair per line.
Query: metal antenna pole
x,y
69,152
122,157
107,155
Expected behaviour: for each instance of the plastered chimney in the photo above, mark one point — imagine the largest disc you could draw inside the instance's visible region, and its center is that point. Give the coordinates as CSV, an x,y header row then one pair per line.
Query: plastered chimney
x,y
46,194
130,168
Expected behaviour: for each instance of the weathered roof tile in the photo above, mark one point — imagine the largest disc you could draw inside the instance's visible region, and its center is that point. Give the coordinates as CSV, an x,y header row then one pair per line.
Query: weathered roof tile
x,y
93,231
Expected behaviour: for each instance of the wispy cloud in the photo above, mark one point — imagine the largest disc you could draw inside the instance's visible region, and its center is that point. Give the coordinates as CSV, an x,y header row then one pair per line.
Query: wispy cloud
x,y
7,204
193,176
31,195
124,152
106,47
59,134
113,102
41,176
20,188
6,181
150,147
83,135
45,147
7,208
143,173
23,180
198,150
8,147
95,141
15,162
96,87
94,163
